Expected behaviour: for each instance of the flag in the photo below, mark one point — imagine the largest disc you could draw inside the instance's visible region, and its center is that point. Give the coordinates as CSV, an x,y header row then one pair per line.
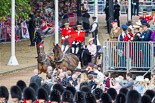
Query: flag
x,y
25,32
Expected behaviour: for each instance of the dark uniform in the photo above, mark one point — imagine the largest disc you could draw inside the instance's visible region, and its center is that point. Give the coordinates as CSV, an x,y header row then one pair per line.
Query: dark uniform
x,y
135,7
145,36
94,30
37,38
31,29
116,13
86,22
107,16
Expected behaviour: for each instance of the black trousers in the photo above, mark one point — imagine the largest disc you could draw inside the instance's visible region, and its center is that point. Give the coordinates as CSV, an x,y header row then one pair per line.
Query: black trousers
x,y
136,7
117,18
31,34
94,35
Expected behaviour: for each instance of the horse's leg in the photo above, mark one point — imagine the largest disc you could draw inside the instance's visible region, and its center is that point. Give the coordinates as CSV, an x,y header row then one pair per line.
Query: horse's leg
x,y
39,68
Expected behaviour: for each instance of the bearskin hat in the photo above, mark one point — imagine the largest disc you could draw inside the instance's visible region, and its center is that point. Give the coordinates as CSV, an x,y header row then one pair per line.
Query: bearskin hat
x,y
123,91
90,98
16,92
21,84
29,94
67,96
97,92
150,93
34,86
85,89
84,84
55,96
112,92
42,94
72,89
133,97
4,92
120,98
145,99
47,88
59,88
79,97
106,98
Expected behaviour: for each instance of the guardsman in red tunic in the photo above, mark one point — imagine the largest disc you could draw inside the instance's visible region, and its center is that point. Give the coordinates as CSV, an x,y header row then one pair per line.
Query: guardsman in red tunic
x,y
66,34
79,39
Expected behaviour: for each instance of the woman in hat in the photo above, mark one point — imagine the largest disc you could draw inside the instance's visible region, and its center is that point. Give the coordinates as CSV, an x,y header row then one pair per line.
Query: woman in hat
x,y
116,85
140,85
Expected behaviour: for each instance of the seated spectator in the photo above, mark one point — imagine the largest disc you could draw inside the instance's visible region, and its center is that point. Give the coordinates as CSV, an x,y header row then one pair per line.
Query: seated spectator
x,y
36,78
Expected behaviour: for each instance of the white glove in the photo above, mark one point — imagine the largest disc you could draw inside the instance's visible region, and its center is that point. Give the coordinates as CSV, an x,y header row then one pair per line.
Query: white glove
x,y
143,36
66,37
115,31
77,43
63,38
73,42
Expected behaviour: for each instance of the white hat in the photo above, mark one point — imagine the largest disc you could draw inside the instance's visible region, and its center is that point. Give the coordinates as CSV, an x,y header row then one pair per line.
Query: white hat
x,y
140,78
136,26
138,23
90,39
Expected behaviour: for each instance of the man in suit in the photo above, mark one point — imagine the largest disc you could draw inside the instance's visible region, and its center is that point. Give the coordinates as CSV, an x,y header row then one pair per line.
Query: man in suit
x,y
36,79
116,12
130,82
107,15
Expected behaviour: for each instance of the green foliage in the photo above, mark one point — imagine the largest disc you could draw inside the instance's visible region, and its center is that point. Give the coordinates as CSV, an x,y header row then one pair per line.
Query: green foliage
x,y
23,8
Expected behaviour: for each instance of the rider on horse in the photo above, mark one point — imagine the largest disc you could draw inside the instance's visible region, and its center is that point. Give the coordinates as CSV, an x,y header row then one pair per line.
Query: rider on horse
x,y
66,34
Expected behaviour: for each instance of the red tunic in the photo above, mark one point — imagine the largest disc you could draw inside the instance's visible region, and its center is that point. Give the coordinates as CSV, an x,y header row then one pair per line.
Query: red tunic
x,y
107,83
66,32
79,37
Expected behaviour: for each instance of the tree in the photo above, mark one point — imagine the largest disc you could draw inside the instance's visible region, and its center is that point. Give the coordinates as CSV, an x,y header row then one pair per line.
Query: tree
x,y
23,8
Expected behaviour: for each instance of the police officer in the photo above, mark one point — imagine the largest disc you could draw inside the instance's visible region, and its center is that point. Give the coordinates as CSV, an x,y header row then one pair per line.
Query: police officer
x,y
94,30
66,34
79,39
116,12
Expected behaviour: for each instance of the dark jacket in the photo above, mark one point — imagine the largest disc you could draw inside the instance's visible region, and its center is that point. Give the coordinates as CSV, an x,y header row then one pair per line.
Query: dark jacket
x,y
116,9
36,79
37,38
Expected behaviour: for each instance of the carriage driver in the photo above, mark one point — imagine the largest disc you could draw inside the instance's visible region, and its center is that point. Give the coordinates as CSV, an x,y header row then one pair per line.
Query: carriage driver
x,y
79,39
66,34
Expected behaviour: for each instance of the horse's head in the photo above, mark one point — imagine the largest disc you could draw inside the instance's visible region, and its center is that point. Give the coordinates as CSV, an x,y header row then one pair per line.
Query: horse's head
x,y
40,48
41,56
57,52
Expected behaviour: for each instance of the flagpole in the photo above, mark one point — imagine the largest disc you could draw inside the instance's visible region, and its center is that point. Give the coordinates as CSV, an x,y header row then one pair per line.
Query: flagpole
x,y
13,60
56,23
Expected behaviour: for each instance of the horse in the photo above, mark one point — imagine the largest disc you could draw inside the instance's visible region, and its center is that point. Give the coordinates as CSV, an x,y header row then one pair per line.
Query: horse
x,y
61,60
44,60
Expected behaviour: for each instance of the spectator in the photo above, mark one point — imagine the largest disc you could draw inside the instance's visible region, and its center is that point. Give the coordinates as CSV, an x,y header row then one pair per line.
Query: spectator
x,y
69,75
86,22
36,78
48,80
116,12
116,86
152,84
49,70
100,76
63,80
130,82
140,85
107,80
91,82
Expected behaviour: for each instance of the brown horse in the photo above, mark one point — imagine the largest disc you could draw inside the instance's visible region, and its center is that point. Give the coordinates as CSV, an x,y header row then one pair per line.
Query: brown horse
x,y
69,61
44,60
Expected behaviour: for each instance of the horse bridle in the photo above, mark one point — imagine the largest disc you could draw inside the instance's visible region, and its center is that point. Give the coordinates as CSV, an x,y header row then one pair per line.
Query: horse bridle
x,y
45,59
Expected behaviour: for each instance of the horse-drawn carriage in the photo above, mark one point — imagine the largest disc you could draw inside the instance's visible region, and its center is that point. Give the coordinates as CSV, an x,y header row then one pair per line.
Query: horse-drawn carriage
x,y
57,59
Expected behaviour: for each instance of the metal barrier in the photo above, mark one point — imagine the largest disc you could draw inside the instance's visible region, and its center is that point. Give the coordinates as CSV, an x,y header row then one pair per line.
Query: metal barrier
x,y
149,5
128,56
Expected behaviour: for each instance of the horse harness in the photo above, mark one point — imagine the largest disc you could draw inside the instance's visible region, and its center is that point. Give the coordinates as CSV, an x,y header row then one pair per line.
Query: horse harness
x,y
63,59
